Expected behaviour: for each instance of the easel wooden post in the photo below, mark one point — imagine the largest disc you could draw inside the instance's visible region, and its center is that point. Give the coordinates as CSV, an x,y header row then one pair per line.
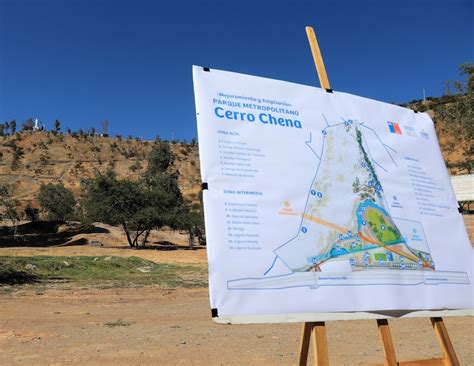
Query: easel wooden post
x,y
318,329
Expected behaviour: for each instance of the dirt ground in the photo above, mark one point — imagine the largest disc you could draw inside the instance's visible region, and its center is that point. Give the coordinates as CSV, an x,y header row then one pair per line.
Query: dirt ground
x,y
152,326
60,325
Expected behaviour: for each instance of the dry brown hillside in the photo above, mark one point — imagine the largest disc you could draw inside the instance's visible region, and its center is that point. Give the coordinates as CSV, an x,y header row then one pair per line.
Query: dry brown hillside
x,y
453,117
28,159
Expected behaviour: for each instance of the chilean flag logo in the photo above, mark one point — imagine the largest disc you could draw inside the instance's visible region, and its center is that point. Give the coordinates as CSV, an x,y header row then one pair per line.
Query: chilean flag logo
x,y
394,127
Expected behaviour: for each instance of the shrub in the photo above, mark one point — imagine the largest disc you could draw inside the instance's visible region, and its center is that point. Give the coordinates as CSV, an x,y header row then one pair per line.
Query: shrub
x,y
57,201
135,166
31,213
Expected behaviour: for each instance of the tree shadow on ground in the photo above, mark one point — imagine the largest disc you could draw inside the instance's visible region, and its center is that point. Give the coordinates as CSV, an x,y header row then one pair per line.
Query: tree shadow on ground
x,y
46,234
165,246
15,276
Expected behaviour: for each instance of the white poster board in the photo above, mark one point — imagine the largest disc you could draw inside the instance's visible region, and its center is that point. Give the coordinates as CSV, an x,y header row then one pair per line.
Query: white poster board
x,y
321,202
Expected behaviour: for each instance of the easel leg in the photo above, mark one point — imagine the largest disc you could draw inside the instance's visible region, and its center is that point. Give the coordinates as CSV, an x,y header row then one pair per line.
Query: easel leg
x,y
390,359
304,343
449,355
320,344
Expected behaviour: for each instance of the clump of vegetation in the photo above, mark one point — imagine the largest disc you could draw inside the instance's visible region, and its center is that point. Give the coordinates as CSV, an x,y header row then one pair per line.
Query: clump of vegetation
x,y
17,154
31,213
6,127
44,159
28,125
78,166
13,274
118,323
129,153
135,166
57,126
57,201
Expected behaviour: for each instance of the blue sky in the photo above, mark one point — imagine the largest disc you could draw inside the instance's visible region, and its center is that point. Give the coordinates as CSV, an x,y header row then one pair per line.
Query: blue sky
x,y
130,61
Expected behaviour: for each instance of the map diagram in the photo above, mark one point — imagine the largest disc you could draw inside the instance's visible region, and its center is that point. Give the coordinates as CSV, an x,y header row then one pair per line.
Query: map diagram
x,y
347,235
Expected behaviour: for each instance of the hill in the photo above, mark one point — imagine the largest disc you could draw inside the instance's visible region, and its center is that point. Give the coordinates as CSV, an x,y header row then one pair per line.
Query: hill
x,y
28,159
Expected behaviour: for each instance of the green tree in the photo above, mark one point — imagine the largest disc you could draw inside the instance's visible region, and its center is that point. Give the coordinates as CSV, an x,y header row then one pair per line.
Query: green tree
x,y
139,207
459,115
111,201
196,222
160,177
132,205
17,155
28,125
57,126
13,127
160,158
57,201
8,207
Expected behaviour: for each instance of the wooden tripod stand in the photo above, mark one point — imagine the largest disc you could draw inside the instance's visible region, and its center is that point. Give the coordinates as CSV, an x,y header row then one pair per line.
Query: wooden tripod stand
x,y
318,329
321,354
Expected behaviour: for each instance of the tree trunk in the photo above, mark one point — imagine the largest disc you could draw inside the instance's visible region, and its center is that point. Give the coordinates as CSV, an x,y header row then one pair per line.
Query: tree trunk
x,y
191,236
201,239
129,239
147,232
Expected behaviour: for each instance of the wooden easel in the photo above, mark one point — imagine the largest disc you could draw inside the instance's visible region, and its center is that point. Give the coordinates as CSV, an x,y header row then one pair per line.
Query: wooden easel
x,y
318,329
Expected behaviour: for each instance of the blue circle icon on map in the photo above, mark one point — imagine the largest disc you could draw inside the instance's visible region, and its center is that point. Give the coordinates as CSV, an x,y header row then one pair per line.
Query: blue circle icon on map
x,y
304,229
313,192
